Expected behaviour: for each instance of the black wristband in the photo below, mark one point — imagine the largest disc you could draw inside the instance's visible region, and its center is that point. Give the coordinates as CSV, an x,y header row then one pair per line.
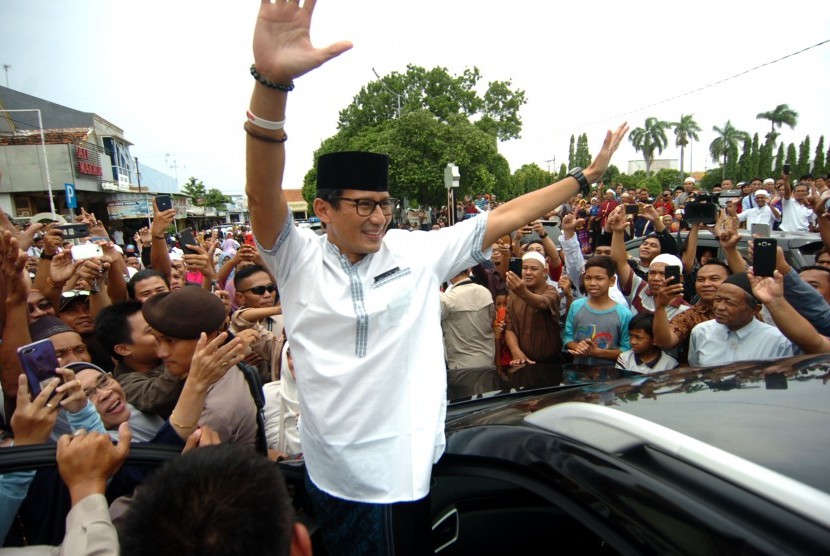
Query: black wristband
x,y
43,255
584,186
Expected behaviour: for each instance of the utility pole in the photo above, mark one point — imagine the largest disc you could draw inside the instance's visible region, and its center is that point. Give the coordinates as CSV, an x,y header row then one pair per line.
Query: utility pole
x,y
6,68
388,89
549,161
138,178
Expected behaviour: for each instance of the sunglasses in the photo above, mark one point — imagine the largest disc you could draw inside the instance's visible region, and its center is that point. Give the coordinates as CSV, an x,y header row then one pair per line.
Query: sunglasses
x,y
260,290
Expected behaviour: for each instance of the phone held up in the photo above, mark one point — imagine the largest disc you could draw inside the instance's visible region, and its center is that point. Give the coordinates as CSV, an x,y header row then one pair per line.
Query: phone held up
x,y
39,362
672,271
763,256
786,169
187,238
86,251
164,202
74,231
516,266
760,229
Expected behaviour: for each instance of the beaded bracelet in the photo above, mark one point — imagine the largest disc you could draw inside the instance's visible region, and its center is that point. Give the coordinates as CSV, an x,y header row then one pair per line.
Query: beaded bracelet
x,y
270,84
266,138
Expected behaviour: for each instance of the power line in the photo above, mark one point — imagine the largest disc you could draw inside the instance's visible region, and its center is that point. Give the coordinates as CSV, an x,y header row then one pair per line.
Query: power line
x,y
724,80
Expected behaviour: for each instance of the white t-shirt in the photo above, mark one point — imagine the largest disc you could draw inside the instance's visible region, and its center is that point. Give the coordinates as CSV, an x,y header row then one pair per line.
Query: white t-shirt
x,y
757,215
795,217
367,346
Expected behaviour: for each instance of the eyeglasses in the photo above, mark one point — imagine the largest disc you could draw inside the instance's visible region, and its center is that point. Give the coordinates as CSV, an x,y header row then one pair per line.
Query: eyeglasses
x,y
366,207
104,382
260,290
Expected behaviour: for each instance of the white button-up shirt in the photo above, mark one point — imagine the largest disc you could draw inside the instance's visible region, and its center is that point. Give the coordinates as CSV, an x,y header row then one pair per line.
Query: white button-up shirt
x,y
712,343
368,353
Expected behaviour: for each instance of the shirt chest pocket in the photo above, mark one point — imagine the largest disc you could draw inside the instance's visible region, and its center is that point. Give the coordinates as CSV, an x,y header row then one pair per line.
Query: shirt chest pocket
x,y
390,296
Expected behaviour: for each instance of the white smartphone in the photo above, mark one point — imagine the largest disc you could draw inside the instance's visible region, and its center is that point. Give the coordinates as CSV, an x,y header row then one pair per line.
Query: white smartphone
x,y
86,251
760,230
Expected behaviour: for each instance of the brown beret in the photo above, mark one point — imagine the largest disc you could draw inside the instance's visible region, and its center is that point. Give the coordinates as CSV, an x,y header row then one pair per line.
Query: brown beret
x,y
364,171
185,313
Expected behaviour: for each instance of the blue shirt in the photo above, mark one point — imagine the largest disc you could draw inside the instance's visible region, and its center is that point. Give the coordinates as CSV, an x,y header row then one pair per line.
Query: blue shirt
x,y
608,329
712,343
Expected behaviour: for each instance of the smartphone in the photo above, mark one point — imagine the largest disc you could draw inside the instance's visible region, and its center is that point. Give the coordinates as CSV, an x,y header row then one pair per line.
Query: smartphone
x,y
516,266
672,271
631,209
86,251
186,238
703,213
164,202
786,169
763,256
74,231
760,230
39,363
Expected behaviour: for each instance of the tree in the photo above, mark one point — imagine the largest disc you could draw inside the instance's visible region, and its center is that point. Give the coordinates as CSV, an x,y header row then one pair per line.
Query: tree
x,y
582,158
652,184
765,161
650,138
782,114
443,95
743,162
803,164
791,158
669,178
755,159
563,171
572,153
685,131
196,189
725,143
611,174
818,161
217,199
530,177
779,161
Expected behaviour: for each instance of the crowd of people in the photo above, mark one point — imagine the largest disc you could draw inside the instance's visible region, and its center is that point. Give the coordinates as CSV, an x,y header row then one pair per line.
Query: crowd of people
x,y
281,343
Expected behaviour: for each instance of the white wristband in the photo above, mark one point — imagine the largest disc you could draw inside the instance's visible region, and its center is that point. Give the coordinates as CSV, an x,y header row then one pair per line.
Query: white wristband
x,y
265,124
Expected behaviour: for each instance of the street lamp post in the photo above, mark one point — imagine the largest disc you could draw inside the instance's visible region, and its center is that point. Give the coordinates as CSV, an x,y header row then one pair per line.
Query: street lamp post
x,y
389,90
6,68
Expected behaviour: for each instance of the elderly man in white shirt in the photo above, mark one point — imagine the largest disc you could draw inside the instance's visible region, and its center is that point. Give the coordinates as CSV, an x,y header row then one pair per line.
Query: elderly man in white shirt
x,y
762,213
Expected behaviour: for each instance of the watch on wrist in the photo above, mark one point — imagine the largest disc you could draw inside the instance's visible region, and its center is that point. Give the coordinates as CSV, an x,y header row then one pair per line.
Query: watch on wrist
x,y
584,186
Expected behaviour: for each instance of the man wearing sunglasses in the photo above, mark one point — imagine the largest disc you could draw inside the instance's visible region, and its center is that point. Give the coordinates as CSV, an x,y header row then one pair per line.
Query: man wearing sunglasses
x,y
361,306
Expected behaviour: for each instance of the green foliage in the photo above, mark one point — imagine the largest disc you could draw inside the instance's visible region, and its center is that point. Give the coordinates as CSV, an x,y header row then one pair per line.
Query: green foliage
x,y
196,189
443,95
782,114
791,158
725,146
779,161
650,138
572,153
765,161
563,171
755,159
530,177
743,162
712,177
819,160
582,158
652,184
611,175
668,178
685,131
803,164
630,181
217,199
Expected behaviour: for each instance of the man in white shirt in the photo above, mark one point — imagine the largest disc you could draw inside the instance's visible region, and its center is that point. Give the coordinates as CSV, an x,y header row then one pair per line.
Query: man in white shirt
x,y
762,213
361,306
796,212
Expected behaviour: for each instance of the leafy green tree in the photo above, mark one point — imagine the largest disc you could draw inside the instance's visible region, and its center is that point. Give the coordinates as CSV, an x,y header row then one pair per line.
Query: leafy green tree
x,y
685,131
612,174
803,164
649,138
572,153
712,177
819,160
652,184
792,158
443,95
196,189
780,115
765,161
217,199
669,178
779,161
530,177
563,171
755,159
743,162
726,144
582,158
631,181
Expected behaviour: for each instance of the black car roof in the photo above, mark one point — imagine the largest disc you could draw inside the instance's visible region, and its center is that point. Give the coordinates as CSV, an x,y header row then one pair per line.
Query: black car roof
x,y
773,413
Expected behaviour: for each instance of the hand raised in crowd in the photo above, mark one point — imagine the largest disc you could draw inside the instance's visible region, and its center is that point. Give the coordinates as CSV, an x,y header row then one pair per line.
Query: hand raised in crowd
x,y
196,258
650,213
729,238
245,253
616,219
63,267
144,236
96,227
515,284
27,237
75,399
161,220
52,239
13,267
612,141
668,292
201,437
282,44
87,460
537,227
569,225
92,270
767,289
211,360
565,285
33,420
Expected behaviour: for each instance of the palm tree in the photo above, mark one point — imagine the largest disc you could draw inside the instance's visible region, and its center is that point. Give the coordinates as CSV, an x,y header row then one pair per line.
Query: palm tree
x,y
728,138
685,131
650,138
782,114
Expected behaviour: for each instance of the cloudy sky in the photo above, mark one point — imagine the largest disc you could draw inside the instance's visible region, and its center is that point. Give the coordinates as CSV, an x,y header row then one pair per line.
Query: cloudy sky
x,y
174,75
